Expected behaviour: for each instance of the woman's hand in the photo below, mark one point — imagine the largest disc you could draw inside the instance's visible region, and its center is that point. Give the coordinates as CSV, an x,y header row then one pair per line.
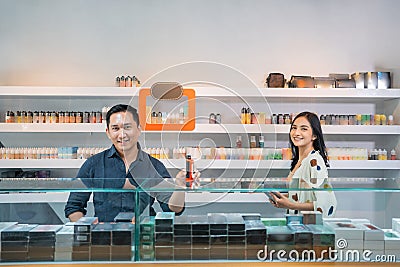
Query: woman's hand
x,y
280,200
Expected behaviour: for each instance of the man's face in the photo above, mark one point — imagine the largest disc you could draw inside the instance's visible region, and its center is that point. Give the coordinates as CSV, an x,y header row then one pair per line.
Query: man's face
x,y
123,132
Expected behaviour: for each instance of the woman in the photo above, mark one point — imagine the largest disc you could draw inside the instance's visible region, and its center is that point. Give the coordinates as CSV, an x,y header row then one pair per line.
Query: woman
x,y
308,170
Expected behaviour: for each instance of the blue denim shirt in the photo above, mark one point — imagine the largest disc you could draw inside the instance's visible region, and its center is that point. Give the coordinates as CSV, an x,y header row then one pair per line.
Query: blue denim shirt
x,y
110,168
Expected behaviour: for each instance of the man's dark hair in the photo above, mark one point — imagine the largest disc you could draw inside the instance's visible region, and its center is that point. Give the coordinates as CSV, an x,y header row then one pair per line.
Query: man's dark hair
x,y
122,108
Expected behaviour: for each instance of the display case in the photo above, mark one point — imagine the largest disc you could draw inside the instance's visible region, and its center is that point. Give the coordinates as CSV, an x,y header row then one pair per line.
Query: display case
x,y
202,234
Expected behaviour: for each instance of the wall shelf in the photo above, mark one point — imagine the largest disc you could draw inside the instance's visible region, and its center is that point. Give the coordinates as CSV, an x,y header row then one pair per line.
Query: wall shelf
x,y
207,164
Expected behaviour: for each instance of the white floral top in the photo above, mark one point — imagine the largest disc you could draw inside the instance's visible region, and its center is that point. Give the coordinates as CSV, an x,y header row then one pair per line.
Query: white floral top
x,y
313,173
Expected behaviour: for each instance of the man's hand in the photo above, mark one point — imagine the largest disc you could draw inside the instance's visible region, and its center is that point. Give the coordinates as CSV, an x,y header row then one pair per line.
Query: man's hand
x,y
73,217
180,178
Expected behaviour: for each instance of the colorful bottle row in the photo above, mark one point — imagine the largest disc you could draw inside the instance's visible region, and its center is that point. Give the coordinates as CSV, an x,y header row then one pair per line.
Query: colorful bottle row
x,y
48,152
359,119
158,117
127,81
335,153
54,117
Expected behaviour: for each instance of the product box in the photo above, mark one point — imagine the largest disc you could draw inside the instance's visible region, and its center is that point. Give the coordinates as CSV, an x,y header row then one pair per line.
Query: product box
x,y
200,225
322,235
125,217
218,224
279,235
396,224
44,232
373,232
347,230
294,219
164,239
85,224
182,253
17,232
101,234
62,256
147,237
374,244
392,240
14,256
251,216
147,256
123,234
256,233
64,239
312,217
219,253
236,254
82,238
274,221
147,225
122,252
200,254
235,224
100,253
182,241
183,226
303,237
164,221
164,253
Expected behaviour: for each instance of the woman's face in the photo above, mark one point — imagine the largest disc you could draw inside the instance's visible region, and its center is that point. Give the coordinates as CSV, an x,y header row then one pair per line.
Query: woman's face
x,y
301,133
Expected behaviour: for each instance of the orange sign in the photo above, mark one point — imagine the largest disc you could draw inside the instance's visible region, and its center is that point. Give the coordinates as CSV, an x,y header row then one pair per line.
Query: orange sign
x,y
169,122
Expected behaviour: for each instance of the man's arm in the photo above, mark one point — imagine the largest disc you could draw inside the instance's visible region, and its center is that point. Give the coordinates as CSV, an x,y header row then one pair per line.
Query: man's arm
x,y
76,205
77,201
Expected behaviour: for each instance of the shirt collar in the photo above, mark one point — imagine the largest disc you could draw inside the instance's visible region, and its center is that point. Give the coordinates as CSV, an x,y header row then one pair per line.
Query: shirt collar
x,y
113,152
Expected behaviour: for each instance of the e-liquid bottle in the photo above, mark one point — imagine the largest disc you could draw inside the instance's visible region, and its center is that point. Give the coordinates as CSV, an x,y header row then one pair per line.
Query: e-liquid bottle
x,y
86,117
253,143
122,81
280,119
19,117
274,119
36,117
248,116
117,82
79,117
7,119
390,120
98,117
24,116
239,141
154,117
29,117
286,118
189,171
261,141
61,117
393,155
128,81
218,118
243,116
322,119
212,118
253,119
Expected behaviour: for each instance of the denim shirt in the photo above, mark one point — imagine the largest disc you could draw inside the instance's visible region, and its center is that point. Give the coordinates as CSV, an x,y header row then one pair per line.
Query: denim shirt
x,y
107,170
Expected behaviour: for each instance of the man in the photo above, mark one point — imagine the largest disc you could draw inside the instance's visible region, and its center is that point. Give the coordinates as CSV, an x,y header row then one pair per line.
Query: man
x,y
124,165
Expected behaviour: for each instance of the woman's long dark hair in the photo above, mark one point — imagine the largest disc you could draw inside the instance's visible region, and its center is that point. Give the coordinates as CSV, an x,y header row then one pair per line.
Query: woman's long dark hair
x,y
318,143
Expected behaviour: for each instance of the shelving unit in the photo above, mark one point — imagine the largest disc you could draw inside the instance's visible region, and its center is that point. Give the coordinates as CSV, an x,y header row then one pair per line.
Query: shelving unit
x,y
207,164
229,104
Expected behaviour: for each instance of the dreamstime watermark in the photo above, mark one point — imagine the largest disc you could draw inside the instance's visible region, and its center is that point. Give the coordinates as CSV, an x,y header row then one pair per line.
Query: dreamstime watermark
x,y
340,254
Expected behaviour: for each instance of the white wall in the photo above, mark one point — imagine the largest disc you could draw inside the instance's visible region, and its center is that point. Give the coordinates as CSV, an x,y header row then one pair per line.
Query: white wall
x,y
88,43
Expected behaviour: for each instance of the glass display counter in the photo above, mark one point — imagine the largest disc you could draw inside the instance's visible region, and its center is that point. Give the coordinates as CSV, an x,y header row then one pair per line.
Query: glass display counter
x,y
224,220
